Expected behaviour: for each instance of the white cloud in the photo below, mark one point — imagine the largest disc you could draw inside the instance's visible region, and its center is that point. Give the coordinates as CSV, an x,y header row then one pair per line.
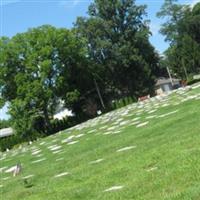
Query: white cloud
x,y
76,2
69,3
192,4
7,2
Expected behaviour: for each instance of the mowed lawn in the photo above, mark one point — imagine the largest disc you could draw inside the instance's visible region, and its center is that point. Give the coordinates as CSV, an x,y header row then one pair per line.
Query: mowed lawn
x,y
144,151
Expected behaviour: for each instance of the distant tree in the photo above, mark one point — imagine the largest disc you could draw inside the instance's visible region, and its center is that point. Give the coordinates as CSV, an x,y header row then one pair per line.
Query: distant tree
x,y
189,40
182,30
173,12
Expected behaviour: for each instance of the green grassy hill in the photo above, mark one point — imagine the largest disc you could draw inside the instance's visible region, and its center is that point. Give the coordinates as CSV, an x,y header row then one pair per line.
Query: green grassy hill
x,y
144,151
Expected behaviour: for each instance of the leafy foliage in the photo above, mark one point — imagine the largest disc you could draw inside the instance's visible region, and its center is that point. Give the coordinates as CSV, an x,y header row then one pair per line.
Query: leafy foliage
x,y
182,30
118,46
5,123
106,56
38,68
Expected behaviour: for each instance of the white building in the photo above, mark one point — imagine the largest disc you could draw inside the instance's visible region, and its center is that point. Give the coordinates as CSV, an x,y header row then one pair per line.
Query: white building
x,y
166,85
6,132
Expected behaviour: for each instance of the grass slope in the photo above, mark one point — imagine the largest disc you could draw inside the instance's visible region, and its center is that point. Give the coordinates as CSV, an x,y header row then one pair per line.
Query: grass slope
x,y
162,161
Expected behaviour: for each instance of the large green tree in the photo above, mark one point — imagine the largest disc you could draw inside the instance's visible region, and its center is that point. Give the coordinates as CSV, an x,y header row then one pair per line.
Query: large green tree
x,y
182,30
39,68
172,13
119,47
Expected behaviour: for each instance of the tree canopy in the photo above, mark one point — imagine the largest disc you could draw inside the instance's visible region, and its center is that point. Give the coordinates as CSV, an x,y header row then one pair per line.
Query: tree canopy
x,y
118,45
105,56
38,69
182,30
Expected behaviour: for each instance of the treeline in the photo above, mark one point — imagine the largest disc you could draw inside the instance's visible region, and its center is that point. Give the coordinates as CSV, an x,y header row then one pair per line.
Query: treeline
x,y
105,57
182,31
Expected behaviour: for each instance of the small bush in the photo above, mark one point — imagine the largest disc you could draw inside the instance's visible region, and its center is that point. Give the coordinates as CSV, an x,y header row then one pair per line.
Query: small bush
x,y
190,82
5,123
9,142
67,122
122,102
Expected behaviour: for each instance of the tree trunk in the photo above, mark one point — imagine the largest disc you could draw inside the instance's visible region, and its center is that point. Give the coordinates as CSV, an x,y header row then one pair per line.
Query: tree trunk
x,y
46,120
99,94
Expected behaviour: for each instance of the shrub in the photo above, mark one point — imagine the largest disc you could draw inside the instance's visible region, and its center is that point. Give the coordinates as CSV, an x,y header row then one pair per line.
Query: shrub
x,y
5,123
9,142
122,102
190,82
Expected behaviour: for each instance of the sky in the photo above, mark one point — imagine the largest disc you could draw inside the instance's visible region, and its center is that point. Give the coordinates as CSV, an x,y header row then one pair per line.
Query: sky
x,y
17,16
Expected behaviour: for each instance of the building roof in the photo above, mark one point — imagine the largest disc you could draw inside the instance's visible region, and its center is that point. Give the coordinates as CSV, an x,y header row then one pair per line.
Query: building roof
x,y
162,81
6,132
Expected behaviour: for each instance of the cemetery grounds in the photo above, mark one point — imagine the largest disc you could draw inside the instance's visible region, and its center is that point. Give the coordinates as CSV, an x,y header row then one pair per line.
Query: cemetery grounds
x,y
145,151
